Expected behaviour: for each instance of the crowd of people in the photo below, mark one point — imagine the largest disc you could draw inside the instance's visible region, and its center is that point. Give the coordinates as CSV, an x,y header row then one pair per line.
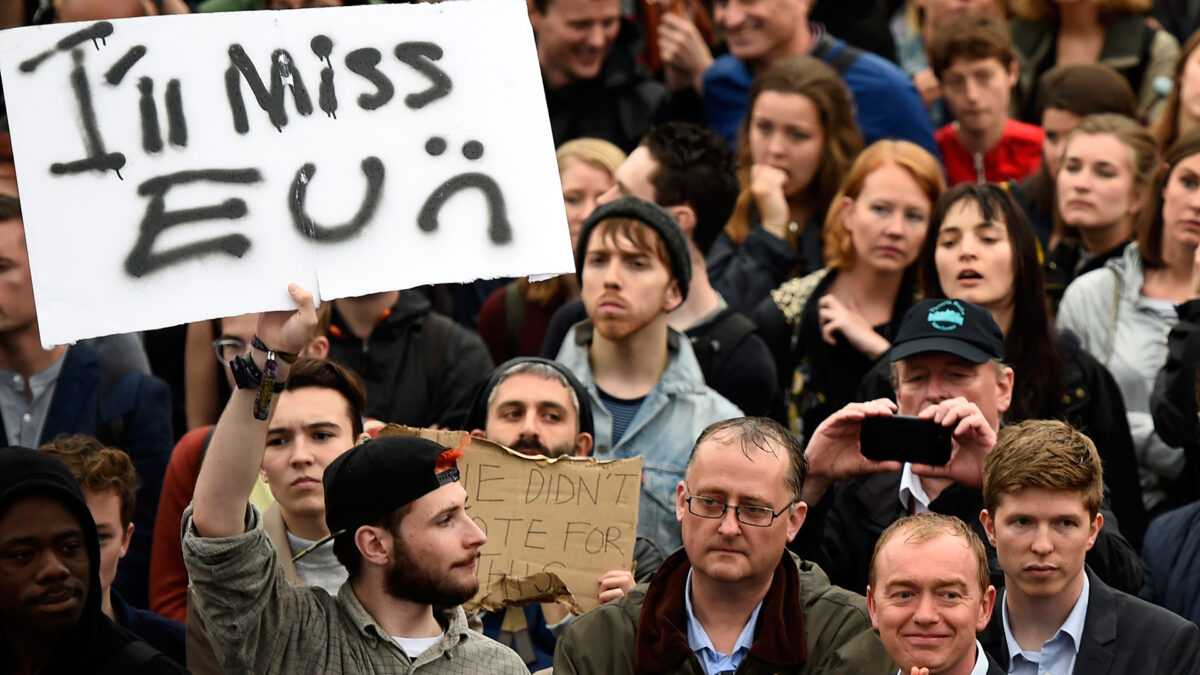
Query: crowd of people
x,y
974,224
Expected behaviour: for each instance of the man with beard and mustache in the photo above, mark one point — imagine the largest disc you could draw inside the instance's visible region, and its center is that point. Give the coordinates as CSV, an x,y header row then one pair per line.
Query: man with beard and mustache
x,y
537,407
396,513
644,383
51,619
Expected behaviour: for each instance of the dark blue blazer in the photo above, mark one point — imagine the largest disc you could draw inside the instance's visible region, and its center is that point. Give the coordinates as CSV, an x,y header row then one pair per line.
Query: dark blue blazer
x,y
136,417
1121,634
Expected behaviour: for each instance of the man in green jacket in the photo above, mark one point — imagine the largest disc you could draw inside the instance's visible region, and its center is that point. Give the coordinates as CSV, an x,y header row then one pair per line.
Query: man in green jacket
x,y
732,599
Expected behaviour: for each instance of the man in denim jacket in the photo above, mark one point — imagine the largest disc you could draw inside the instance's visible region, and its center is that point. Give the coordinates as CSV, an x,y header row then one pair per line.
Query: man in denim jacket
x,y
647,390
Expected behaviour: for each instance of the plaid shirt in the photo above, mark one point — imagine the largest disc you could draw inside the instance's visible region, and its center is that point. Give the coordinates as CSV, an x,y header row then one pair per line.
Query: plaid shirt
x,y
259,623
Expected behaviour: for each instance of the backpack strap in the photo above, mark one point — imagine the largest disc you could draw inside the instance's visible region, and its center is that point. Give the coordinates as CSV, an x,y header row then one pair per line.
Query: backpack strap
x,y
718,340
130,659
840,57
435,334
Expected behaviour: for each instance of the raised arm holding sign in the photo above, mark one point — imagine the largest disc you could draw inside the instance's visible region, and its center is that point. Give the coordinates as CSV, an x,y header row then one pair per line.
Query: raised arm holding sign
x,y
395,512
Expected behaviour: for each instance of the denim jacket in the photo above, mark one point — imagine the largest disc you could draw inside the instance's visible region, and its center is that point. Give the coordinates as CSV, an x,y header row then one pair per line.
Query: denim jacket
x,y
666,426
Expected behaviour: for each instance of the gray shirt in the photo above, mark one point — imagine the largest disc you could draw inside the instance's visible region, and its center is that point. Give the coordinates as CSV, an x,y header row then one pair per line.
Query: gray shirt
x,y
319,567
25,419
259,623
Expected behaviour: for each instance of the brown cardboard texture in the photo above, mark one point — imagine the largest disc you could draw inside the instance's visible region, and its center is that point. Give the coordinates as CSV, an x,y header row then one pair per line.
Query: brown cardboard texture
x,y
553,525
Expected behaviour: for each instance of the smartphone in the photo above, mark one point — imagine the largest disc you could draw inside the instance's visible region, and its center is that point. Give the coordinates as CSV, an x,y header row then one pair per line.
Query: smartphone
x,y
903,438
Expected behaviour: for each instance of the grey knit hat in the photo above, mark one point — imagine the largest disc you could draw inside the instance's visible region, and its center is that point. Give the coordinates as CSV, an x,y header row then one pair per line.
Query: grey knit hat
x,y
654,216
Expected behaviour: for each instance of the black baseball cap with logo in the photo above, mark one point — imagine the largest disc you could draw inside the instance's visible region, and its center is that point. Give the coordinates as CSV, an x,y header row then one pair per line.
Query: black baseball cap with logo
x,y
955,327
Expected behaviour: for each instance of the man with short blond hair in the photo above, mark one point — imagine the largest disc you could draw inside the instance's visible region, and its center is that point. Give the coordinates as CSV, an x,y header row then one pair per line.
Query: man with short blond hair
x,y
929,593
1042,488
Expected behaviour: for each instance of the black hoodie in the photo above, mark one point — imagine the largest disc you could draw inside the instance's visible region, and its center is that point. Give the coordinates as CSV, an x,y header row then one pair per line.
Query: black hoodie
x,y
94,644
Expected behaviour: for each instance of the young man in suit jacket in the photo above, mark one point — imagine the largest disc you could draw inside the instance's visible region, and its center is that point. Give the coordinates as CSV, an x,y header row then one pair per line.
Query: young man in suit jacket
x,y
1042,487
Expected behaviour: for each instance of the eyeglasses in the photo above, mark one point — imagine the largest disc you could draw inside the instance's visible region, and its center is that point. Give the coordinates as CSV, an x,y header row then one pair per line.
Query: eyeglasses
x,y
754,516
228,347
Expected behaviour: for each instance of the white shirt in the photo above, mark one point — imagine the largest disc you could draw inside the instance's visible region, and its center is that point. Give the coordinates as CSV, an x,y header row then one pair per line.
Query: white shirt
x,y
1057,654
981,662
415,647
912,493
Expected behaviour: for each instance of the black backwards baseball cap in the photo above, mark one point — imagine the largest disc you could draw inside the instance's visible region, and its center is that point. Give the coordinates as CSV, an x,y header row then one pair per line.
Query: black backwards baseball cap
x,y
657,218
371,480
952,326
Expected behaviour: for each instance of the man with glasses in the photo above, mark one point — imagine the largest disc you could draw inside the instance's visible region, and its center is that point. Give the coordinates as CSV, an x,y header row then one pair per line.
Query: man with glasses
x,y
732,598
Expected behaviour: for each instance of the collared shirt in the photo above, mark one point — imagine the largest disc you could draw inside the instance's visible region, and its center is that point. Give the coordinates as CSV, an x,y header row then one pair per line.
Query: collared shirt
x,y
260,623
712,660
23,419
1057,656
981,662
912,493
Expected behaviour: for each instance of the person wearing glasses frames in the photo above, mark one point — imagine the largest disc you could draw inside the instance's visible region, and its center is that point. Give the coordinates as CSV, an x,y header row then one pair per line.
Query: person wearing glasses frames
x,y
732,599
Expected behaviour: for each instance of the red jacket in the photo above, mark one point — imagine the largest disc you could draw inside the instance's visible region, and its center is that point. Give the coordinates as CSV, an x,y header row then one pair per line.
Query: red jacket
x,y
1018,154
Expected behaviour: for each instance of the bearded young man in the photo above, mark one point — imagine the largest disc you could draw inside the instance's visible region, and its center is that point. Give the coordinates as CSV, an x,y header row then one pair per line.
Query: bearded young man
x,y
397,514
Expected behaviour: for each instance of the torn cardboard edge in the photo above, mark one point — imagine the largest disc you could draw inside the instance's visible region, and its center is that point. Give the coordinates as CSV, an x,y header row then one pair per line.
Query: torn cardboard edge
x,y
509,591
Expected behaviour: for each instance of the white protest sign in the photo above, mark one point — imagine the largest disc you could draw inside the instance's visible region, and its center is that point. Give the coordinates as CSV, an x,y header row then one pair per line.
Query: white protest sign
x,y
179,168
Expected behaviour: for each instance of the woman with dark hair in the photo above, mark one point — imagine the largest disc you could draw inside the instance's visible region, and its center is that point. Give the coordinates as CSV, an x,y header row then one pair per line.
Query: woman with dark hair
x,y
797,140
1182,111
980,248
827,328
1123,313
1067,94
1048,33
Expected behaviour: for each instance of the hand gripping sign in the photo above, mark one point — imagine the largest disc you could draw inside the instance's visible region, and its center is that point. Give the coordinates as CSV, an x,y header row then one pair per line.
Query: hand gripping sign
x,y
179,168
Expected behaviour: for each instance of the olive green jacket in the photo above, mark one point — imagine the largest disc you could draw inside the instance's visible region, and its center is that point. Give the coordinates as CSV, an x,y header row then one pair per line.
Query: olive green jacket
x,y
806,626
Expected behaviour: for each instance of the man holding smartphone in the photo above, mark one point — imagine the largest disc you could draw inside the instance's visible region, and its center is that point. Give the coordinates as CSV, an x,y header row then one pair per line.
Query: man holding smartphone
x,y
947,369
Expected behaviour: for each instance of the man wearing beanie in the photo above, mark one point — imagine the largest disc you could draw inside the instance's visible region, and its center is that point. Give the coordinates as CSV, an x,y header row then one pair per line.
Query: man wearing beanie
x,y
647,391
50,593
947,366
396,513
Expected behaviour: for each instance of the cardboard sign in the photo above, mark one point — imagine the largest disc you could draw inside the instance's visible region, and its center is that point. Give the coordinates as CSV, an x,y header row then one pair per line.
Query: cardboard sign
x,y
553,525
180,168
